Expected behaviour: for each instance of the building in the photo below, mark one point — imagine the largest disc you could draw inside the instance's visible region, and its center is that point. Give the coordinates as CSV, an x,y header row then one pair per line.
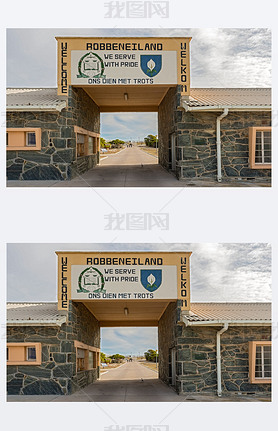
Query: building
x,y
48,351
203,133
54,348
51,137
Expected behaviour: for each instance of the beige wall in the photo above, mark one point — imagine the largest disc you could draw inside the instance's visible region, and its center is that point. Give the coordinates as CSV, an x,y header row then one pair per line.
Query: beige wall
x,y
66,259
67,44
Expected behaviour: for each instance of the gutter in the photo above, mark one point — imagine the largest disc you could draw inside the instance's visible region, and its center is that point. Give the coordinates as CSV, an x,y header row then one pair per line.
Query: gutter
x,y
37,108
213,108
218,358
218,144
37,322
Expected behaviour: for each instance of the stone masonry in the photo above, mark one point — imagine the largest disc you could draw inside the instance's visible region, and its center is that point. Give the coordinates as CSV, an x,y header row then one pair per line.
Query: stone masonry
x,y
57,372
57,158
196,355
196,141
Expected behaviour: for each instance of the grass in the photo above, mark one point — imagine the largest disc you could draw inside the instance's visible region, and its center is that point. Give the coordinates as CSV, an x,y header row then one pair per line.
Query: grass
x,y
109,367
149,150
151,365
110,151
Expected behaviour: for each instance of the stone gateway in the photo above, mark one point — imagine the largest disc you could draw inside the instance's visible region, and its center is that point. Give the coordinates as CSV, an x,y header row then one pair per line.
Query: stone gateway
x,y
216,348
221,134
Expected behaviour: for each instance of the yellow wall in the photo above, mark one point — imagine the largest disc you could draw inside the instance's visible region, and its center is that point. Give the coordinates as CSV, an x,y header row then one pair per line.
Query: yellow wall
x,y
67,44
65,259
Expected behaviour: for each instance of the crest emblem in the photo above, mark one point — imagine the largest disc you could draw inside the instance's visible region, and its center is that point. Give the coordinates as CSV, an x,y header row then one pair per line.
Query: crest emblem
x,y
151,64
90,280
151,279
90,66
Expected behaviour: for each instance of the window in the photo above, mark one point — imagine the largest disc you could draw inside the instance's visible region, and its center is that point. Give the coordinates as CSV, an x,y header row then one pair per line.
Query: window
x,y
23,353
91,145
23,139
260,147
31,139
260,361
91,360
31,354
87,143
87,357
80,141
80,359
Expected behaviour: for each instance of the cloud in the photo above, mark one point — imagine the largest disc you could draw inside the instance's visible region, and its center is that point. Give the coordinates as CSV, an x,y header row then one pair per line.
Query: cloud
x,y
128,341
219,58
128,126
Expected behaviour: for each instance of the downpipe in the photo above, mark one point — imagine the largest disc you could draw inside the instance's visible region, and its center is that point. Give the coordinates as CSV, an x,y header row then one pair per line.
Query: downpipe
x,y
218,144
218,358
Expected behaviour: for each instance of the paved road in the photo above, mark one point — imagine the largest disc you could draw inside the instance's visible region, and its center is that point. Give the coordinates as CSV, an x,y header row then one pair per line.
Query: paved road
x,y
129,156
130,167
129,382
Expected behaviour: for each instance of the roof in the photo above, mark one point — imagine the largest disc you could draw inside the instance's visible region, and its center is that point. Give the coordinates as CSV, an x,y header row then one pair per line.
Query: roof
x,y
233,98
34,313
202,313
231,312
34,99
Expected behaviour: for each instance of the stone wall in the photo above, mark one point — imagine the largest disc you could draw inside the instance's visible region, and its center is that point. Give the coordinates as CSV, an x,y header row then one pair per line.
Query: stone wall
x,y
84,113
52,162
196,145
57,372
85,328
195,134
168,115
167,333
54,374
196,359
57,158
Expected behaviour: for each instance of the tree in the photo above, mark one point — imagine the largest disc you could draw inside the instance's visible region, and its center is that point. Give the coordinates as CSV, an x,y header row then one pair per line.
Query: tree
x,y
116,143
103,143
151,140
151,355
104,359
116,358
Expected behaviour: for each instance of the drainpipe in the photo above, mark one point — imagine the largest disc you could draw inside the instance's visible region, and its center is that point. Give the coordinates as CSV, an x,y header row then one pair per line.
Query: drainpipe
x,y
218,358
218,143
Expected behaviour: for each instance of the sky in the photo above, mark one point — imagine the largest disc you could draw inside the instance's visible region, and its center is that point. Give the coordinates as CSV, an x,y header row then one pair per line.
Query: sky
x,y
219,273
219,58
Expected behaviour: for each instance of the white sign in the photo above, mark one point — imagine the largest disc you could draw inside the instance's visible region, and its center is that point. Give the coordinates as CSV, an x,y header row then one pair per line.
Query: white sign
x,y
123,67
123,282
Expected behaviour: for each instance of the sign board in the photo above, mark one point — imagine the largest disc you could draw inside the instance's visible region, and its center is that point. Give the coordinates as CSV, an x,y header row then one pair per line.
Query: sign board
x,y
106,276
123,68
136,61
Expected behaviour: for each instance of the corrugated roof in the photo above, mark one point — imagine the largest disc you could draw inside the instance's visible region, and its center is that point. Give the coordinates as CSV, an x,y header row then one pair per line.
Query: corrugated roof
x,y
27,313
232,311
229,97
31,313
34,99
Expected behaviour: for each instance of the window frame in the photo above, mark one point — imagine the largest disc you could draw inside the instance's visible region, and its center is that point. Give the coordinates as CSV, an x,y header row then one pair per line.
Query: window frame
x,y
252,362
24,147
252,148
25,346
87,134
87,348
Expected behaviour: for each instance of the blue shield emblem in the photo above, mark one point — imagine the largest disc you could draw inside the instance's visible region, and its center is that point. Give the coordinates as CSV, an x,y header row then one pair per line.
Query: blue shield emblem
x,y
151,64
151,279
